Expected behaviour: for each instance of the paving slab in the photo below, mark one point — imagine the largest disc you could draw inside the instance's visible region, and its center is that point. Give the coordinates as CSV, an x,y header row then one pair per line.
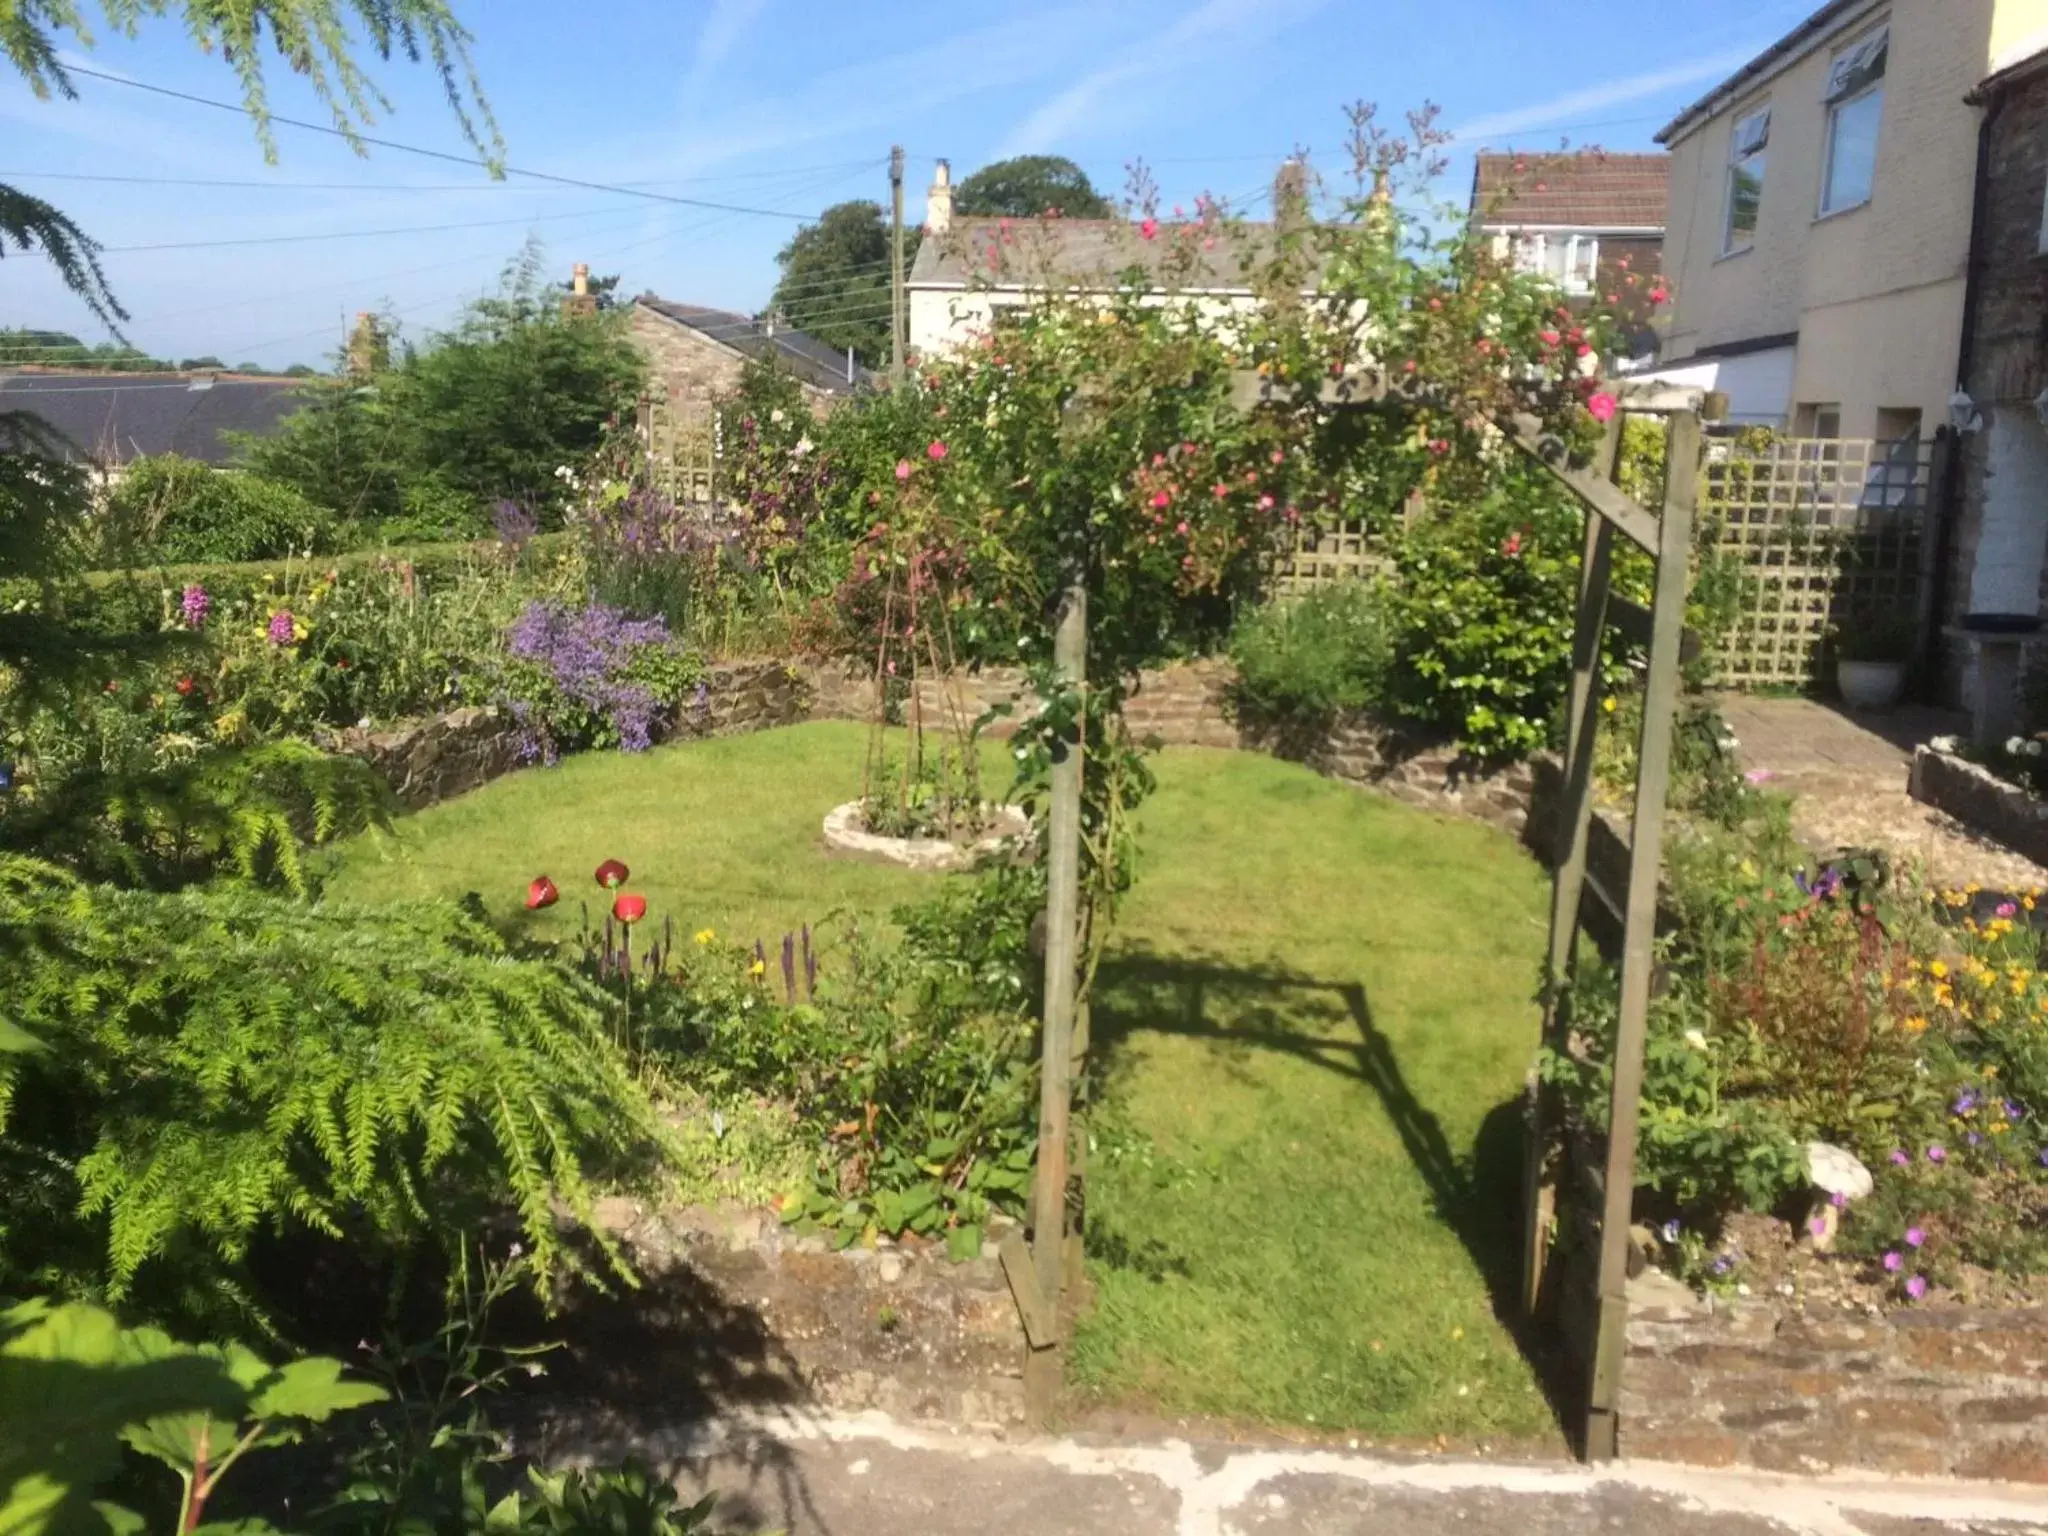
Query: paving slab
x,y
852,1475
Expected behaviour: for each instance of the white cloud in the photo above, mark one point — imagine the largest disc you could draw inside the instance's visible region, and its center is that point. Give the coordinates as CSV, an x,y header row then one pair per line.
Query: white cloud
x,y
1609,93
726,24
1179,45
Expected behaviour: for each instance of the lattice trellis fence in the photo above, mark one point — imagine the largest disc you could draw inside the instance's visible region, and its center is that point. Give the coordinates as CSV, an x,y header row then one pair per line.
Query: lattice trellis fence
x,y
1349,551
1821,530
681,449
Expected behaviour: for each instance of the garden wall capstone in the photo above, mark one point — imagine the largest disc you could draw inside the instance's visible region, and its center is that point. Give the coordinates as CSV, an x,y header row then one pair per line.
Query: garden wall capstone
x,y
1956,1391
1981,801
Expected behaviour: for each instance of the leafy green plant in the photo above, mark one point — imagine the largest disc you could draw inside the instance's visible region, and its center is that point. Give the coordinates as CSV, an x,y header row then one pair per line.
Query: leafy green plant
x,y
222,1065
172,510
75,1385
1304,662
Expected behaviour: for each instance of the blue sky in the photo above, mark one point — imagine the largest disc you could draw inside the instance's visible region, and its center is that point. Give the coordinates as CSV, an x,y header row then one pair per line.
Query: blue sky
x,y
786,105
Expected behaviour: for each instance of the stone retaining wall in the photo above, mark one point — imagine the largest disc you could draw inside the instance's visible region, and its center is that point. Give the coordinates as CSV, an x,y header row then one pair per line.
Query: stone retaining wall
x,y
1952,1391
1981,801
1184,705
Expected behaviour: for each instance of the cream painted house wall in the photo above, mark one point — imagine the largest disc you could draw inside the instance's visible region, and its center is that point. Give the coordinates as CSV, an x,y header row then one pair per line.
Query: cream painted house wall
x,y
1874,293
943,318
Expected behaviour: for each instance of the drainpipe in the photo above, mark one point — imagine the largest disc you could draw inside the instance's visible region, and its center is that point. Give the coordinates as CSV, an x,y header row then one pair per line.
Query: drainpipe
x,y
1948,493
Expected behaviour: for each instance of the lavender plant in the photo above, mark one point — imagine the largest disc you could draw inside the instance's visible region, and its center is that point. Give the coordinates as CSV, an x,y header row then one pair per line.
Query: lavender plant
x,y
578,677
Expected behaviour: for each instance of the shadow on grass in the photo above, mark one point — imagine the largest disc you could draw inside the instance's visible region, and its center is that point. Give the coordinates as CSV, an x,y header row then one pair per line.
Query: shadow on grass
x,y
1475,1193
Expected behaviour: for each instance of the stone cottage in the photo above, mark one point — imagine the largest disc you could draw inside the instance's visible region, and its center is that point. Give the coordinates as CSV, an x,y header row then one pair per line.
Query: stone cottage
x,y
696,354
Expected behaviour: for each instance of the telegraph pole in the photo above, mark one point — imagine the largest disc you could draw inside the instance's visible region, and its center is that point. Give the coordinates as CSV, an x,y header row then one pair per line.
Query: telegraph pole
x,y
897,325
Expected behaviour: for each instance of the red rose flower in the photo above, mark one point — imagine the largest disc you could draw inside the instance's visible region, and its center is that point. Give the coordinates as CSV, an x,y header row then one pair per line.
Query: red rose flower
x,y
184,685
629,909
541,893
611,874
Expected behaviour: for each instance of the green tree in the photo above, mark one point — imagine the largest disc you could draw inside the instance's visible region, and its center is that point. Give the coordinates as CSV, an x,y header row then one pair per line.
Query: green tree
x,y
314,38
835,279
1028,186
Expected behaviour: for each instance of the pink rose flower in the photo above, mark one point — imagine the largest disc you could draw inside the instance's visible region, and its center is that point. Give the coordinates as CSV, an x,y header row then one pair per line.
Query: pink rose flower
x,y
936,451
1601,408
903,469
1149,230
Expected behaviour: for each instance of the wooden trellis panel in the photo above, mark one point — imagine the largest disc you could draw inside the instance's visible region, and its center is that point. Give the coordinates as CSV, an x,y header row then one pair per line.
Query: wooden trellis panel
x,y
1347,551
1823,530
681,450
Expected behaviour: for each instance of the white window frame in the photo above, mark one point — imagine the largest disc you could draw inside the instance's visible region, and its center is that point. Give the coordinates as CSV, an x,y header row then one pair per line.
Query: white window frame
x,y
1749,139
1872,48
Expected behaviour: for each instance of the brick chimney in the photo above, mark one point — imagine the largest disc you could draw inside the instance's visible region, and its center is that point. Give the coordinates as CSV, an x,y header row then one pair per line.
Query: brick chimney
x,y
938,202
368,350
581,301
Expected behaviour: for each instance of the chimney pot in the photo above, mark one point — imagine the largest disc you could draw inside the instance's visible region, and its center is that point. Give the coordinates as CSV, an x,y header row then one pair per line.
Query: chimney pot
x,y
579,279
938,202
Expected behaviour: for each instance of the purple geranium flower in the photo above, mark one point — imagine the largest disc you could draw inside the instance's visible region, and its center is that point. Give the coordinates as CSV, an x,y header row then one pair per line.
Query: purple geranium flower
x,y
1915,1236
1894,1262
1899,1157
1965,1102
1937,1153
195,604
1917,1287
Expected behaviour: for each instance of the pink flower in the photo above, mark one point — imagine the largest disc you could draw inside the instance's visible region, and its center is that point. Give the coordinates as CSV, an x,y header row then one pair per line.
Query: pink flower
x,y
1551,338
1161,499
1279,457
1601,408
1221,490
903,469
1894,1262
1659,294
936,451
1265,503
1149,230
2007,909
1511,546
1181,528
1917,1287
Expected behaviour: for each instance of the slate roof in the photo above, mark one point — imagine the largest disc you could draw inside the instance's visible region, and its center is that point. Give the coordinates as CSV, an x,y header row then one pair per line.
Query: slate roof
x,y
1092,252
111,419
1591,190
811,360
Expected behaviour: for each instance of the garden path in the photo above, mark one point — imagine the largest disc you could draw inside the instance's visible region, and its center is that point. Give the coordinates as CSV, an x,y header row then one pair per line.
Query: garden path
x,y
869,1474
1847,776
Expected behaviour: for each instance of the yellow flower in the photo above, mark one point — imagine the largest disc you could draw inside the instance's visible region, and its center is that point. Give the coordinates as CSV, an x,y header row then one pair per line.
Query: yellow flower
x,y
1916,1025
758,968
1998,1128
1608,705
1937,969
705,935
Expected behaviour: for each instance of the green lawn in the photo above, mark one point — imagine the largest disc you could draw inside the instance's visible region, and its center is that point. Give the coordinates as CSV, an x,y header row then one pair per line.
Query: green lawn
x,y
1310,1035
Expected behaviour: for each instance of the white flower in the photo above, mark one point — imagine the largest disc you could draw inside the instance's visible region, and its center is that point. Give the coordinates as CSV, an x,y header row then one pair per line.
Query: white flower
x,y
2015,745
2034,747
803,446
1696,1039
776,416
1943,744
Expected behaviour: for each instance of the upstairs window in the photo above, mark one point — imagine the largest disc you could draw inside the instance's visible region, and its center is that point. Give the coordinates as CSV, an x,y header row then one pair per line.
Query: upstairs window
x,y
1855,103
1570,261
1747,150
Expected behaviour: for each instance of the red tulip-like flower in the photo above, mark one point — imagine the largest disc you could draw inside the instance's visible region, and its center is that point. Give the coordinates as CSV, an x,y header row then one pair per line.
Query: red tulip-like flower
x,y
611,874
629,909
541,893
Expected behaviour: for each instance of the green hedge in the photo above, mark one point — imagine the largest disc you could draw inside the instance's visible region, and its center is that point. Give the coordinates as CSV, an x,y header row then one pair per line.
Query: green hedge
x,y
134,601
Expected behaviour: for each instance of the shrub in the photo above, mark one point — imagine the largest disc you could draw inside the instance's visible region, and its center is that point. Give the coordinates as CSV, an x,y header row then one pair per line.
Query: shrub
x,y
1302,663
219,1065
172,510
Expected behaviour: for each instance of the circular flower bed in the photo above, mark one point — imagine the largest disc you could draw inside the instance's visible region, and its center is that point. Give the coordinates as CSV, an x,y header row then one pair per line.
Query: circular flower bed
x,y
1006,828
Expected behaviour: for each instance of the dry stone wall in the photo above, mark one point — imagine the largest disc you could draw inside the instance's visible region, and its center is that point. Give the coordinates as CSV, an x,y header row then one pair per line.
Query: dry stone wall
x,y
1954,1391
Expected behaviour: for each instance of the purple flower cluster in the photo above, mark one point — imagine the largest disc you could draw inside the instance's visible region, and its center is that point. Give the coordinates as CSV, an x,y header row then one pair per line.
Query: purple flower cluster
x,y
195,605
513,523
281,627
586,652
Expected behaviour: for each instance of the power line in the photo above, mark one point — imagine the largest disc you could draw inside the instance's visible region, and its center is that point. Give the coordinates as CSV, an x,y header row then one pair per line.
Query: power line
x,y
791,172
443,155
348,234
